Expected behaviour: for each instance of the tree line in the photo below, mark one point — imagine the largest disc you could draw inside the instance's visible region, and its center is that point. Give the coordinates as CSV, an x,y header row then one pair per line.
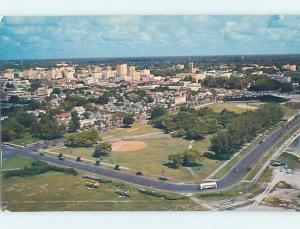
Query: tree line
x,y
191,124
243,129
44,127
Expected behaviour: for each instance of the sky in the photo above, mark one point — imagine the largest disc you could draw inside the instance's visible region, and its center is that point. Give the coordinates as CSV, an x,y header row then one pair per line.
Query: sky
x,y
134,36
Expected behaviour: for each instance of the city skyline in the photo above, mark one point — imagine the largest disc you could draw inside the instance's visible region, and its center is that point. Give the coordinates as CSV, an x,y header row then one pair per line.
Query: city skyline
x,y
147,36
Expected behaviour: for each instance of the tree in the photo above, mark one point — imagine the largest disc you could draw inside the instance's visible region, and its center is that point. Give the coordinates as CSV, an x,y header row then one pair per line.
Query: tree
x,y
243,129
175,159
186,158
82,139
74,124
194,134
11,129
48,128
56,91
128,120
9,85
25,119
35,84
104,99
14,99
102,149
190,156
157,112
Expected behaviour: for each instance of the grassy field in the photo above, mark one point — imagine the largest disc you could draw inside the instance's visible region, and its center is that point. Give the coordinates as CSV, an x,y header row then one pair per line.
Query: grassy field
x,y
136,129
26,139
234,107
16,163
153,159
59,192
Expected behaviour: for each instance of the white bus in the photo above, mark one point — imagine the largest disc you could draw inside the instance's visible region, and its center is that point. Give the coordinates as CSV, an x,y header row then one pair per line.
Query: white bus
x,y
208,185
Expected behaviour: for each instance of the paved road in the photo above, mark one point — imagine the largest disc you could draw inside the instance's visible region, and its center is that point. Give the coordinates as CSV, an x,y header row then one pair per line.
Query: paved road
x,y
234,176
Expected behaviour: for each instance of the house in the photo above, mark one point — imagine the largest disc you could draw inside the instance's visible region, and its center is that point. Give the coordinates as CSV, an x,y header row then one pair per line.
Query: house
x,y
64,118
87,123
80,110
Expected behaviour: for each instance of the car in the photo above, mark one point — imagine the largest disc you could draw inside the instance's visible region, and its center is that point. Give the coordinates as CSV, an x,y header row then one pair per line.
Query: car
x,y
289,171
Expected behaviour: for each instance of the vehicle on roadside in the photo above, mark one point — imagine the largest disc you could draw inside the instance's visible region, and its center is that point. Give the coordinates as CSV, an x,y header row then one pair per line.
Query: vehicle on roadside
x,y
289,171
208,185
277,163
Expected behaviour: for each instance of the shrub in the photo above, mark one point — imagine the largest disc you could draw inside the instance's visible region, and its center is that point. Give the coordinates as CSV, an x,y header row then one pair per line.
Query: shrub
x,y
101,180
162,195
163,178
38,167
139,173
38,163
102,149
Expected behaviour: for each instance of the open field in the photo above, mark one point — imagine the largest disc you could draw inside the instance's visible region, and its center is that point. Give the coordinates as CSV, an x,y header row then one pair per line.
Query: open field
x,y
125,146
140,128
153,159
234,107
16,162
59,192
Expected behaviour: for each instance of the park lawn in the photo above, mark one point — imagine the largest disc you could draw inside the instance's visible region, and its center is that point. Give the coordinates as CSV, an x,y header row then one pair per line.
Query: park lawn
x,y
16,162
152,159
234,107
136,129
26,139
85,152
59,192
209,165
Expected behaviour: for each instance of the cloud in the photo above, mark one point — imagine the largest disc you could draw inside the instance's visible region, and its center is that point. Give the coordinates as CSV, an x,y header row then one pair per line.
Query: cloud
x,y
89,36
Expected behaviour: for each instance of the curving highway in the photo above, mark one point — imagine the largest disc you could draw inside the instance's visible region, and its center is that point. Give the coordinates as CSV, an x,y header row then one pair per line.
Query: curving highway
x,y
234,176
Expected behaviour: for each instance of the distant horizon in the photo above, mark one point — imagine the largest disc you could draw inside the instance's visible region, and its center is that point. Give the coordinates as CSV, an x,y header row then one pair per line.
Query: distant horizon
x,y
146,57
73,37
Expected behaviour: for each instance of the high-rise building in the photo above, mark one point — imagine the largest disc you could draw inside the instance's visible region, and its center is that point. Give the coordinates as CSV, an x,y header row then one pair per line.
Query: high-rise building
x,y
121,70
191,67
131,70
293,67
136,76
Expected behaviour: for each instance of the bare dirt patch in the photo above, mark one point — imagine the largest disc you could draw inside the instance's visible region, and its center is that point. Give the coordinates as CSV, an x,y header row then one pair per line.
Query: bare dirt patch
x,y
126,146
